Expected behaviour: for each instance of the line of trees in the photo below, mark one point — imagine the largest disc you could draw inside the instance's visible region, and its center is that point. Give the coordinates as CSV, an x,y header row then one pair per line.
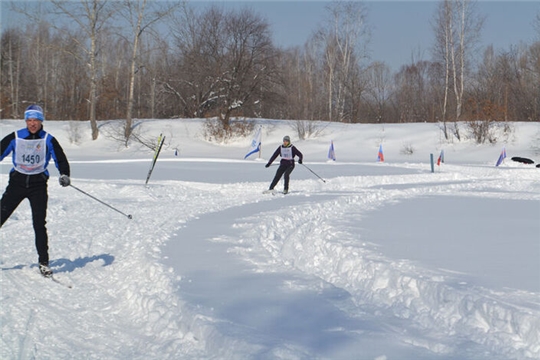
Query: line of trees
x,y
104,59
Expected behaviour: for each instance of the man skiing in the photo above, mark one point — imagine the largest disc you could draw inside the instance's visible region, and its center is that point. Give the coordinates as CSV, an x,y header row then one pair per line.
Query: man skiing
x,y
286,165
32,150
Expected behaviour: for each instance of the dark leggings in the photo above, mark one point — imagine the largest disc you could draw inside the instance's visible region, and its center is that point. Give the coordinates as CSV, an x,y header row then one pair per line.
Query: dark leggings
x,y
38,197
282,170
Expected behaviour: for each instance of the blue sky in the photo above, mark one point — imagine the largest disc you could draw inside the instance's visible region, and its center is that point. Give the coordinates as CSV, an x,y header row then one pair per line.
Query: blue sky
x,y
400,29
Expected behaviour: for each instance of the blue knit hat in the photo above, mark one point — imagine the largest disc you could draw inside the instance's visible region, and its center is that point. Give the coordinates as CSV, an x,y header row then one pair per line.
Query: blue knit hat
x,y
34,112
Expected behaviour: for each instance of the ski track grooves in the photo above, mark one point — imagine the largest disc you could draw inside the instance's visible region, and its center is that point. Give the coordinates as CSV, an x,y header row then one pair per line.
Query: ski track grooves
x,y
436,303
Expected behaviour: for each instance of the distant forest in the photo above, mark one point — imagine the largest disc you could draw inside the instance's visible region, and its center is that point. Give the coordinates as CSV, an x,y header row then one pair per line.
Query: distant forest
x,y
98,60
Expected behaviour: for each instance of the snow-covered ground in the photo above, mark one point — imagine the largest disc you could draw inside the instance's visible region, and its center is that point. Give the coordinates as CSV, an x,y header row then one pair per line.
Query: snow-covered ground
x,y
381,261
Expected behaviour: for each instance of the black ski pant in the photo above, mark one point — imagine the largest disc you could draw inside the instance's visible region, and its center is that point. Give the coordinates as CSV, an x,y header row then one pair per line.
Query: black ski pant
x,y
36,193
284,170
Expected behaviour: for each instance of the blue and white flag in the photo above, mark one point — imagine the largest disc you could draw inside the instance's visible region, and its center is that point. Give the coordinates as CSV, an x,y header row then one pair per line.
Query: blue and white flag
x,y
331,151
501,157
255,143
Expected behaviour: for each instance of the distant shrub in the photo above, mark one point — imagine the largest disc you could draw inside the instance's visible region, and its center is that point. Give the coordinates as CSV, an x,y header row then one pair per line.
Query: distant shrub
x,y
306,128
407,149
114,130
487,131
215,130
74,132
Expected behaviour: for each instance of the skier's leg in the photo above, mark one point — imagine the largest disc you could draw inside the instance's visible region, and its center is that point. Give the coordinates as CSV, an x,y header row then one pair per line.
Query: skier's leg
x,y
10,200
38,202
286,177
277,177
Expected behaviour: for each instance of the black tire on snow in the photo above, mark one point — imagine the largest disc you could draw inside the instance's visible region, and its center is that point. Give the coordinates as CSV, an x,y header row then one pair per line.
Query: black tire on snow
x,y
522,160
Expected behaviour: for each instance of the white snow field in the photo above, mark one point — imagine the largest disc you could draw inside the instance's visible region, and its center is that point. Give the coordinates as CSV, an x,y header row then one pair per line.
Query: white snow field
x,y
379,261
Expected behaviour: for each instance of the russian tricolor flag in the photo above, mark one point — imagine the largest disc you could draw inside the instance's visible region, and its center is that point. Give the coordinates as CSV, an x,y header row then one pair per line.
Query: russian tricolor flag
x,y
441,158
380,156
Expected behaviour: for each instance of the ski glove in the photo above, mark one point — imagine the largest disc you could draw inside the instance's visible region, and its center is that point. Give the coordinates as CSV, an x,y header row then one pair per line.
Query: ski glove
x,y
64,180
300,161
267,165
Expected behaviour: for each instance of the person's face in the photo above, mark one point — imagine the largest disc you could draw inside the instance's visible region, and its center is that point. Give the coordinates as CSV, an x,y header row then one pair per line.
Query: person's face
x,y
33,125
285,142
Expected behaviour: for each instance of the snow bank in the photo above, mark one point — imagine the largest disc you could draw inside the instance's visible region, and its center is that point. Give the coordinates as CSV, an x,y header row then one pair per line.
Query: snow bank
x,y
131,292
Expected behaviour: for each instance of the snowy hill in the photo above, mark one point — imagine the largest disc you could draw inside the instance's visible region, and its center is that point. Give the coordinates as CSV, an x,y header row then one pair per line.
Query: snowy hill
x,y
380,261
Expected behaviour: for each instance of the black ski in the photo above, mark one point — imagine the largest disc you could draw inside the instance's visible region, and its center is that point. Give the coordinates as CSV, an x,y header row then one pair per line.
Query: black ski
x,y
275,192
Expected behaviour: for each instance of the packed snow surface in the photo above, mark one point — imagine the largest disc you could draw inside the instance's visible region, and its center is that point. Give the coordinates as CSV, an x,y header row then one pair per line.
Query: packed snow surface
x,y
361,260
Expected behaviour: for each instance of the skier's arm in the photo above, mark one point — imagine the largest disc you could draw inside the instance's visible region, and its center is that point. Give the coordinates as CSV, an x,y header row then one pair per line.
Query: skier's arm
x,y
274,156
60,158
6,145
297,152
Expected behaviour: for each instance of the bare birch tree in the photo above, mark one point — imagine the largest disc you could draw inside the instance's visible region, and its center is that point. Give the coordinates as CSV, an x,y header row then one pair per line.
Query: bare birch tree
x,y
379,89
141,15
457,29
91,16
343,41
11,60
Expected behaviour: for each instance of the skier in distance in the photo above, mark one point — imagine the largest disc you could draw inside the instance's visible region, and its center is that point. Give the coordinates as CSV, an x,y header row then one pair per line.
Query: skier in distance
x,y
287,151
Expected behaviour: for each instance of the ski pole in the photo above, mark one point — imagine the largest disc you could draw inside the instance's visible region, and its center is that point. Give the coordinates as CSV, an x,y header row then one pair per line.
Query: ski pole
x,y
85,193
314,173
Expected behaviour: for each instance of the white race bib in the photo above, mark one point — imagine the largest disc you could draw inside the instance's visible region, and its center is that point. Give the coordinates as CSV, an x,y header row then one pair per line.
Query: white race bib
x,y
30,155
286,153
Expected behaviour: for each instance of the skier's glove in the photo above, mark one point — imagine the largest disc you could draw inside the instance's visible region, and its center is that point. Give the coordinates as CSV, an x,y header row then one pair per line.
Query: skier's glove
x,y
64,180
267,165
300,161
